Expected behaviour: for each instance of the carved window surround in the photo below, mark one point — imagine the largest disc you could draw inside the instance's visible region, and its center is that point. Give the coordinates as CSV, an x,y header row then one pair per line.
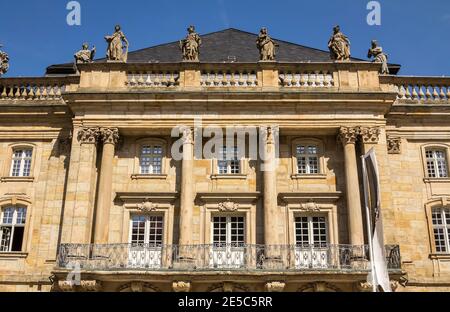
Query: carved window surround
x,y
241,204
165,165
311,203
442,202
322,161
424,161
34,157
148,203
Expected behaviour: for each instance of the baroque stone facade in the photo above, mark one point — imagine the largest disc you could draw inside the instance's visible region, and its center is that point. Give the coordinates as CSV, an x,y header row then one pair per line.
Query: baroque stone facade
x,y
91,181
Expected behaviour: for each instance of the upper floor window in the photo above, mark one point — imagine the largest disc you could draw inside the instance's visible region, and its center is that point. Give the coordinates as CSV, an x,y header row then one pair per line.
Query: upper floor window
x,y
307,159
21,162
151,159
228,230
228,162
12,228
147,230
436,163
441,228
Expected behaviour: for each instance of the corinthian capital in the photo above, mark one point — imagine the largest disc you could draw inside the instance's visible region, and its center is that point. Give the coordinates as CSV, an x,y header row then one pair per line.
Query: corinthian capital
x,y
88,135
370,135
188,135
109,135
270,133
348,135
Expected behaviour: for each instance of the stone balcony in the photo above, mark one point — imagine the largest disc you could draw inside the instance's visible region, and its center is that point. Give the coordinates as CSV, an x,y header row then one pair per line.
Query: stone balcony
x,y
225,258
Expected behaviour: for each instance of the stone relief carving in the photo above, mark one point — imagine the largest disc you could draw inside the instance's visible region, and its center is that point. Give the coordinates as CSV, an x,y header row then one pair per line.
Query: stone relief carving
x,y
275,286
339,45
376,52
117,46
370,135
85,55
228,206
190,46
4,62
91,286
109,135
270,134
147,206
310,206
187,135
84,285
348,135
266,46
181,286
88,135
394,145
138,287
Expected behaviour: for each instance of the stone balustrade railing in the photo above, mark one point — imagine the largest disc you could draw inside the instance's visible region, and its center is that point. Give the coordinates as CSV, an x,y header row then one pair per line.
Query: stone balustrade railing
x,y
306,79
153,79
42,88
419,89
229,78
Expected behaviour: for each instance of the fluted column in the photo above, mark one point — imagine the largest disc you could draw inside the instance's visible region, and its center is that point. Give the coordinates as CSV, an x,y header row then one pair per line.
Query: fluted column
x,y
110,138
187,188
348,137
270,187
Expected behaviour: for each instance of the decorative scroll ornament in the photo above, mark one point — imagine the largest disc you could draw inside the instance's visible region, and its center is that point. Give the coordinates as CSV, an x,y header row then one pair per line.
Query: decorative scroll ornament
x,y
228,206
88,135
181,286
310,206
109,135
348,135
275,286
147,206
190,47
4,62
394,145
370,135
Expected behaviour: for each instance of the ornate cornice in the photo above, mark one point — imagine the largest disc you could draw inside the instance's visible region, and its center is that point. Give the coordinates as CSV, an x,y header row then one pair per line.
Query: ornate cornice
x,y
370,135
348,135
109,135
88,135
394,145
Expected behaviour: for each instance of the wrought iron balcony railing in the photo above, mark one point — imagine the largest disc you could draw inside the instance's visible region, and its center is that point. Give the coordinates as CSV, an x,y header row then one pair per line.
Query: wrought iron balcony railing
x,y
220,258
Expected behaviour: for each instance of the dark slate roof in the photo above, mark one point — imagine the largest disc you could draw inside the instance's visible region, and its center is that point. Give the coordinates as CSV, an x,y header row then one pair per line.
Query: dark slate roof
x,y
217,47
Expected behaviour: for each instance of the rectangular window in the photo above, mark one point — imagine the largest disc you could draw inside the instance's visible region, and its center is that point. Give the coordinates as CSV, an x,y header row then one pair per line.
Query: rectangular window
x,y
228,162
147,230
441,228
151,159
436,163
21,163
308,159
228,231
12,229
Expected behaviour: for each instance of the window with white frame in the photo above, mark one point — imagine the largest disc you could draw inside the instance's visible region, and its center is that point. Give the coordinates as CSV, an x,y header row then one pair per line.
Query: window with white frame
x,y
307,159
229,162
441,229
147,230
151,159
436,163
12,228
21,162
311,231
228,231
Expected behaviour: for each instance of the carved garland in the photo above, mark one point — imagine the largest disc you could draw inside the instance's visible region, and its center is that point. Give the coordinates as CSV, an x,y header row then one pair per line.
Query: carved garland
x,y
228,206
147,206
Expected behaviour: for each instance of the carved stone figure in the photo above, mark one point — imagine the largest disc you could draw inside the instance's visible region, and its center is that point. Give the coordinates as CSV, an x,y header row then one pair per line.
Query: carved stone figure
x,y
339,46
266,46
117,46
376,52
190,47
4,62
85,55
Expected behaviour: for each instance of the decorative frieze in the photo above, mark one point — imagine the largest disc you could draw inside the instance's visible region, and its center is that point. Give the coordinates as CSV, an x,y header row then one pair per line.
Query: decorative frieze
x,y
109,135
370,135
348,135
181,286
394,145
88,135
228,206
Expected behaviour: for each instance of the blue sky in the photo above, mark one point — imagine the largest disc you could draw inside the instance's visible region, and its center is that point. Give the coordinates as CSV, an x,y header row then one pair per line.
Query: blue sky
x,y
415,33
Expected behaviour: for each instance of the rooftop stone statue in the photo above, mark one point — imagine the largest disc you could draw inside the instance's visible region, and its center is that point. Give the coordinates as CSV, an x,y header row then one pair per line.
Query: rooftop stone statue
x,y
379,57
4,62
266,46
339,45
117,46
85,55
190,46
